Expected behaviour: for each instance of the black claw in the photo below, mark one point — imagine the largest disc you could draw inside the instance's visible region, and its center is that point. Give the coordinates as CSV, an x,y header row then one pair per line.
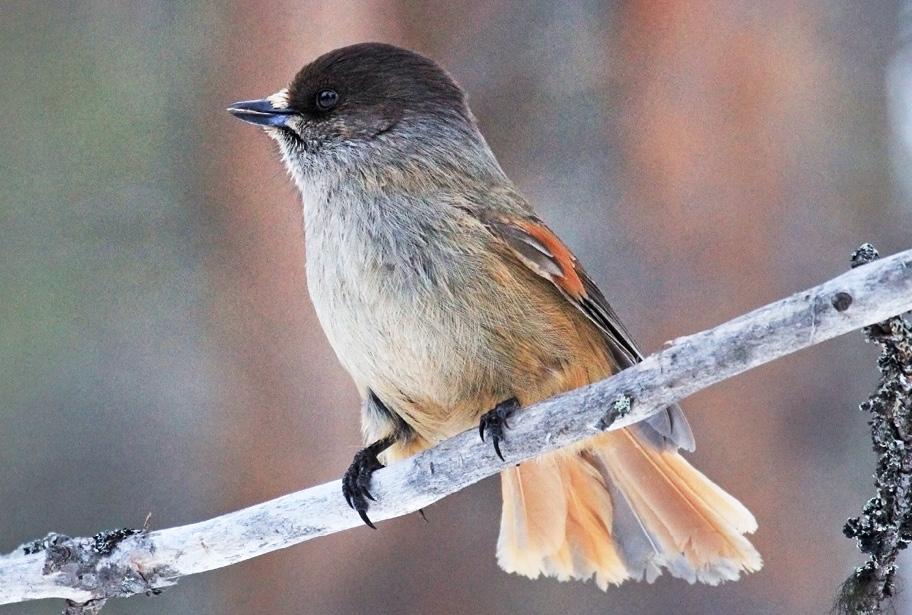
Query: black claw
x,y
357,479
366,520
495,421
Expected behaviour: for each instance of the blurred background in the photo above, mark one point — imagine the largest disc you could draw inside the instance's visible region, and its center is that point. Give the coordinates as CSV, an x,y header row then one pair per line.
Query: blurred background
x,y
159,354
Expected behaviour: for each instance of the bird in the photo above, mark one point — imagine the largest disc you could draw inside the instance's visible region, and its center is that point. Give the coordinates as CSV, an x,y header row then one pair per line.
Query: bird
x,y
453,305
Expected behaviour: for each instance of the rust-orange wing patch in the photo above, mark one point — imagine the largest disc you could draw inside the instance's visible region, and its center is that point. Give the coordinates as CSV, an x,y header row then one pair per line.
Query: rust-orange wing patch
x,y
550,247
542,251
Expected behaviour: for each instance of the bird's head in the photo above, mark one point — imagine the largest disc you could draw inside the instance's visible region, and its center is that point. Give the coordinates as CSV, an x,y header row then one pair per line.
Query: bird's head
x,y
363,102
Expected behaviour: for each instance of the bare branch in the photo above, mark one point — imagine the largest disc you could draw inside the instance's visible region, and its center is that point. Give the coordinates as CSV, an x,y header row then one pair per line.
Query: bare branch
x,y
123,563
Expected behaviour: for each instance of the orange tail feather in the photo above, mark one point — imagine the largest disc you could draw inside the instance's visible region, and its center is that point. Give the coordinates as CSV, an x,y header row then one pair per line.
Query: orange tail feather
x,y
621,509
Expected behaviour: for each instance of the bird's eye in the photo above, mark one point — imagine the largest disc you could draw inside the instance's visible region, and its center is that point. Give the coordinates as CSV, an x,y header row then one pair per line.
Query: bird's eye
x,y
327,99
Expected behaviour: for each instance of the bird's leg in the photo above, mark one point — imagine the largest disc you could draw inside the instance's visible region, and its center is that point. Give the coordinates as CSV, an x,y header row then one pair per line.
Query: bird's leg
x,y
357,479
493,423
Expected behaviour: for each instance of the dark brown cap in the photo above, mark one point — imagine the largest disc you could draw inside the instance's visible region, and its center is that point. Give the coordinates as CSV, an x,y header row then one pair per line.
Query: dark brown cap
x,y
376,79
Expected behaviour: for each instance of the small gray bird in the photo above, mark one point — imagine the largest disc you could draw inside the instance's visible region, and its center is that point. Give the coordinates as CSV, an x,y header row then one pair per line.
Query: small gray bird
x,y
452,305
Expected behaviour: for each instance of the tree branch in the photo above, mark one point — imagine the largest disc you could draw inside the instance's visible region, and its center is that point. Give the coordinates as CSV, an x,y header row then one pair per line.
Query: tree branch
x,y
128,562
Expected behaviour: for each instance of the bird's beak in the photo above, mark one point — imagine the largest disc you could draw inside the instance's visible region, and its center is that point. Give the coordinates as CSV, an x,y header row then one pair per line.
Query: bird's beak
x,y
262,112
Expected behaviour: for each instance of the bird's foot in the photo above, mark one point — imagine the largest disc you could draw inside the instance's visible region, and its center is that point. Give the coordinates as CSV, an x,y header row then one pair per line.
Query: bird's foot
x,y
357,479
493,423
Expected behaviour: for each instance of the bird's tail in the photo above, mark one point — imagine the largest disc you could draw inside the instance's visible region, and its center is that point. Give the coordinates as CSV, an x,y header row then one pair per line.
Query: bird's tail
x,y
621,509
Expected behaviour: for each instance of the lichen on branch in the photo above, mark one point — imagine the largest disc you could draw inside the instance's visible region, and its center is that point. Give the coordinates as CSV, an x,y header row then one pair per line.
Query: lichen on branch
x,y
885,526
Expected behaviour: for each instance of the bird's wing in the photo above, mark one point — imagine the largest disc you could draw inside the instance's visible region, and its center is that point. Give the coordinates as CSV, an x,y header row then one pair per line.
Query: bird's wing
x,y
538,248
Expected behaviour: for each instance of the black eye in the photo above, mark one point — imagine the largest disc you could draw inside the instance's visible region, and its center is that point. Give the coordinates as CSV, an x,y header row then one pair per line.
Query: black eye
x,y
327,99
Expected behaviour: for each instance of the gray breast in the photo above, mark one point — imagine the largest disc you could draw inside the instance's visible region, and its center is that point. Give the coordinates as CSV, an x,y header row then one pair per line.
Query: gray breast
x,y
394,296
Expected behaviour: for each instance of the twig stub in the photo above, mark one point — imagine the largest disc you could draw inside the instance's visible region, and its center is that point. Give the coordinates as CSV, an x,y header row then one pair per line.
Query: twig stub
x,y
842,301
